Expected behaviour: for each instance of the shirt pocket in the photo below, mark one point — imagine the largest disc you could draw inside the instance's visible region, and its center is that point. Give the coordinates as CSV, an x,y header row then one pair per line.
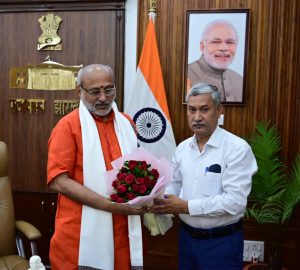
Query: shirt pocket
x,y
211,184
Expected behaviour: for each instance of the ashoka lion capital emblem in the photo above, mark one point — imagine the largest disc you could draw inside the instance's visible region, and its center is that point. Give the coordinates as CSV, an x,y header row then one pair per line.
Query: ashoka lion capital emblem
x,y
49,40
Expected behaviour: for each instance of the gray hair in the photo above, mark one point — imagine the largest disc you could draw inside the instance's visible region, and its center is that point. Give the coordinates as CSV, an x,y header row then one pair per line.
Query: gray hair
x,y
204,88
212,24
90,68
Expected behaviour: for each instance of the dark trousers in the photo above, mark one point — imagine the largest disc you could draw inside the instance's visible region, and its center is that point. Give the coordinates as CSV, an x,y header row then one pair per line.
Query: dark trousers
x,y
220,253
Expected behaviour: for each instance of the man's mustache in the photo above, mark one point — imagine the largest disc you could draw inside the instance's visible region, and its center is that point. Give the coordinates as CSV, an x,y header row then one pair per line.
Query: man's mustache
x,y
198,123
101,103
223,55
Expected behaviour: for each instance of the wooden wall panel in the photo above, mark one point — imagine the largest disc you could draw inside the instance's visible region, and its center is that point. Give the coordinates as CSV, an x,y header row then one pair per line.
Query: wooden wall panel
x,y
91,33
273,84
272,93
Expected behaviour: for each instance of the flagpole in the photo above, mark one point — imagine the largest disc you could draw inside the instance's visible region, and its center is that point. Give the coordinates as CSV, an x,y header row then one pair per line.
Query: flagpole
x,y
152,9
148,104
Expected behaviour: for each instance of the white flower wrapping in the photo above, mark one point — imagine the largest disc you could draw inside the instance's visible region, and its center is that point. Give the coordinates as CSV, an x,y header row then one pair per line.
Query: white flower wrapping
x,y
157,224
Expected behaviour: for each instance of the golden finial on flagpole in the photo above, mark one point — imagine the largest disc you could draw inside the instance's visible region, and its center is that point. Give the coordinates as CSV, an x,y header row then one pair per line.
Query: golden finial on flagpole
x,y
152,6
152,9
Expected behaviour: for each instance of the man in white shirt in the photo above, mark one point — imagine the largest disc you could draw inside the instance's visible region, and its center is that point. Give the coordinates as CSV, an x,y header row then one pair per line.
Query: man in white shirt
x,y
211,182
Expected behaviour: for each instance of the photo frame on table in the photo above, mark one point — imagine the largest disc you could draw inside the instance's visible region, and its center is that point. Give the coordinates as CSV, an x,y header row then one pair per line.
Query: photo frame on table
x,y
216,52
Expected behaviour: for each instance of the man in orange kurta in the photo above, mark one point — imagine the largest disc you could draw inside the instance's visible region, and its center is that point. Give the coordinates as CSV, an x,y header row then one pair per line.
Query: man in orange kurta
x,y
65,172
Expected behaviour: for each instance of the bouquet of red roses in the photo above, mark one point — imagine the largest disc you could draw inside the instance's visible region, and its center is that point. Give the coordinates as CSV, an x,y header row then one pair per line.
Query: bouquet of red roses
x,y
138,178
135,178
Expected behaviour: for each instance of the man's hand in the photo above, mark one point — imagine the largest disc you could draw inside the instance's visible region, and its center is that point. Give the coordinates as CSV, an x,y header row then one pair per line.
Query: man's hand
x,y
81,194
170,204
126,209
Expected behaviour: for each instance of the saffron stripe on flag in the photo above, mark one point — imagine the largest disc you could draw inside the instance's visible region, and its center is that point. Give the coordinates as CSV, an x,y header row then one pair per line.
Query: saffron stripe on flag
x,y
147,103
150,66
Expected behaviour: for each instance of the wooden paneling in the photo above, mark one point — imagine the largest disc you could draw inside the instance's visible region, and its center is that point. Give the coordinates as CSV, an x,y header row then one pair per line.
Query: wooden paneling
x,y
272,86
161,251
91,32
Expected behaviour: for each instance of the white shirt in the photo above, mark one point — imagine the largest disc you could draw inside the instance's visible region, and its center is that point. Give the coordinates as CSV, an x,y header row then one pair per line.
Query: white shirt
x,y
214,199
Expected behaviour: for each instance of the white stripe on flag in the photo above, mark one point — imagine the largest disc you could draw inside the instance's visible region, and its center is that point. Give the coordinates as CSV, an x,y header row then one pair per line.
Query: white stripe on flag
x,y
150,125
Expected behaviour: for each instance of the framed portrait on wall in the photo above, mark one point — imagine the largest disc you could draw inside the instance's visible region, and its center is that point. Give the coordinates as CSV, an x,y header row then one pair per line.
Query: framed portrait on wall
x,y
216,52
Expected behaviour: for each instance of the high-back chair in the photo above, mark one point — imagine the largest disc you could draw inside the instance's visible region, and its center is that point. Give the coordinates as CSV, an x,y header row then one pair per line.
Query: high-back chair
x,y
12,255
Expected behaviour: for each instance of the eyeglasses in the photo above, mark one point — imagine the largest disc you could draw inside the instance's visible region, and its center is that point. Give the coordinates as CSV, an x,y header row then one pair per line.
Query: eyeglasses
x,y
97,91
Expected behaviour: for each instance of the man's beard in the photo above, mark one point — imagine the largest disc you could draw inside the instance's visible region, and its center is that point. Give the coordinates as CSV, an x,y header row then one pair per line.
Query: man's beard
x,y
220,65
93,110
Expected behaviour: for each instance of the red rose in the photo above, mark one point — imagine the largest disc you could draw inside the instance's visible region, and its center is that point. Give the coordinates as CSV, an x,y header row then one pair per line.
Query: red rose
x,y
143,162
120,200
114,197
121,188
139,180
136,188
115,183
143,166
124,170
143,189
146,181
130,196
129,179
121,176
155,173
132,164
131,167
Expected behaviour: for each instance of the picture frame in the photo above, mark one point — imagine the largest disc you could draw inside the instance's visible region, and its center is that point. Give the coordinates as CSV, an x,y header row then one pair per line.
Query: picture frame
x,y
216,52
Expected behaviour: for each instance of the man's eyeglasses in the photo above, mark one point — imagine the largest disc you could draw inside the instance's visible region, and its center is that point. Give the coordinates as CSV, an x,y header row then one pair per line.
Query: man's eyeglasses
x,y
97,91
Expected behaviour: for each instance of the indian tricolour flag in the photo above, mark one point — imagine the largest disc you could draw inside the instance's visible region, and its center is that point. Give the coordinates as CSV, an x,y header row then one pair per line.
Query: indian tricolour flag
x,y
147,103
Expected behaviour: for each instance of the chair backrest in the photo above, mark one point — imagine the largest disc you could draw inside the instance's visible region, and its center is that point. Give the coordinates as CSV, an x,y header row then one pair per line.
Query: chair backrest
x,y
7,217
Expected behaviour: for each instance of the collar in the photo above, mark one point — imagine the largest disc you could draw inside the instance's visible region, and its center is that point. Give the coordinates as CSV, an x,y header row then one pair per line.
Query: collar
x,y
214,140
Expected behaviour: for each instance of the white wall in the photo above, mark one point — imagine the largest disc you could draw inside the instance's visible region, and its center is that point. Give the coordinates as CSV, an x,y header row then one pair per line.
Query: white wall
x,y
131,16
